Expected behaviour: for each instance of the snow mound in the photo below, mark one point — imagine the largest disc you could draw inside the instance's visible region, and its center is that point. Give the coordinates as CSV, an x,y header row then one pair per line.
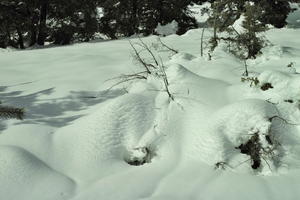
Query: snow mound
x,y
231,126
282,85
102,140
31,176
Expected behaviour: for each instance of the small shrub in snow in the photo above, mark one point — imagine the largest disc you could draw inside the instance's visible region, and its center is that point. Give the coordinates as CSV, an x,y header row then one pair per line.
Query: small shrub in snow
x,y
291,64
266,86
259,147
289,101
140,156
253,80
221,165
152,66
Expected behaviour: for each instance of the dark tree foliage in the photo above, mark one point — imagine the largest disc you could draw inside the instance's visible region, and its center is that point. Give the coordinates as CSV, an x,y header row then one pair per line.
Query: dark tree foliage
x,y
257,15
14,23
275,11
121,18
72,20
25,23
128,17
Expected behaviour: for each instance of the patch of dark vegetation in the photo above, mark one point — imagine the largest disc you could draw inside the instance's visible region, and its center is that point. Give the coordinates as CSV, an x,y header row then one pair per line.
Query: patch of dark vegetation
x,y
289,101
260,147
253,80
266,86
252,148
221,165
11,113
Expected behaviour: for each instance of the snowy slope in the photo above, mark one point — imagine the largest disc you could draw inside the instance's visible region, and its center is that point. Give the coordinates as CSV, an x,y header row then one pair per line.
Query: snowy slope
x,y
77,135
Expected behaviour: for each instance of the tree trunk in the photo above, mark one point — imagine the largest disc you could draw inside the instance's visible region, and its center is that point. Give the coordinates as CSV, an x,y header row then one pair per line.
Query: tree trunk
x,y
201,44
33,36
20,39
42,26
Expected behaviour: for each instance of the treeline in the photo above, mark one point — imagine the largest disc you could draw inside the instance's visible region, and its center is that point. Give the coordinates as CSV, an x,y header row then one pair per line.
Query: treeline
x,y
24,23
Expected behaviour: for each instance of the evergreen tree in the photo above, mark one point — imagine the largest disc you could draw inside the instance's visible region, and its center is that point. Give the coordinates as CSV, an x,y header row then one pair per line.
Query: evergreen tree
x,y
42,35
127,17
14,23
258,14
72,21
275,12
121,18
28,22
250,39
248,44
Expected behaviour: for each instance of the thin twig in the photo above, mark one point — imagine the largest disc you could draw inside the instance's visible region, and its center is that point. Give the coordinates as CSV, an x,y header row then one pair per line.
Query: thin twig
x,y
138,57
166,46
276,116
149,51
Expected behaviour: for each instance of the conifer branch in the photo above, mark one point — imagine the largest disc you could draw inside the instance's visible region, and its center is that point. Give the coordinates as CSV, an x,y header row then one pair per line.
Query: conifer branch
x,y
11,113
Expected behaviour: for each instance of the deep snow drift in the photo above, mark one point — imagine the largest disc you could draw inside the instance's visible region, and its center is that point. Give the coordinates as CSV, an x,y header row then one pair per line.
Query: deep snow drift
x,y
77,135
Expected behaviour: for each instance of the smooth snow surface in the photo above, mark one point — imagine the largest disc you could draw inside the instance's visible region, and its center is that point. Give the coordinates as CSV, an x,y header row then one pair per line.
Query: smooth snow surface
x,y
77,135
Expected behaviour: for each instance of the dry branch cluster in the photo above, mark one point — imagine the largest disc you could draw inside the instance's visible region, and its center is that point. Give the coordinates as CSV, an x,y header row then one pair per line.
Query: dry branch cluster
x,y
11,112
151,63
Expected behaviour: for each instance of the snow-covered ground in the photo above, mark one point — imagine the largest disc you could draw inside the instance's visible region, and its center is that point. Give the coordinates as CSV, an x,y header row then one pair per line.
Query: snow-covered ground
x,y
77,136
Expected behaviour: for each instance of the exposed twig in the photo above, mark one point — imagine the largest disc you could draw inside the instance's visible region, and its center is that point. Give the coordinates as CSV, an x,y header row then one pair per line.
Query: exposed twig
x,y
128,77
138,57
242,162
145,46
246,73
284,120
167,47
165,79
266,163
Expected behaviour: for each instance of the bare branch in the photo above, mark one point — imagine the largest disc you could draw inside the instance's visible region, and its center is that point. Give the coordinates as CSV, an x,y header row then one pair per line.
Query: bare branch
x,y
139,59
144,45
167,47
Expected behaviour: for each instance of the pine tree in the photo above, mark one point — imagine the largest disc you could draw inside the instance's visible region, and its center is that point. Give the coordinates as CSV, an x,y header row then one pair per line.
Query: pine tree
x,y
250,39
42,35
275,11
128,17
258,14
25,23
72,21
14,23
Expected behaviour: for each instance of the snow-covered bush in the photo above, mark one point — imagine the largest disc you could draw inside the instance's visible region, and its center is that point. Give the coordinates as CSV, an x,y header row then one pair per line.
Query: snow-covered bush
x,y
245,134
140,156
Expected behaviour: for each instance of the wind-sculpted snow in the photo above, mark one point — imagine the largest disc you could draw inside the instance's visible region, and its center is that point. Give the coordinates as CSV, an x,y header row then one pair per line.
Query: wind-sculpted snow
x,y
77,139
95,143
24,176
